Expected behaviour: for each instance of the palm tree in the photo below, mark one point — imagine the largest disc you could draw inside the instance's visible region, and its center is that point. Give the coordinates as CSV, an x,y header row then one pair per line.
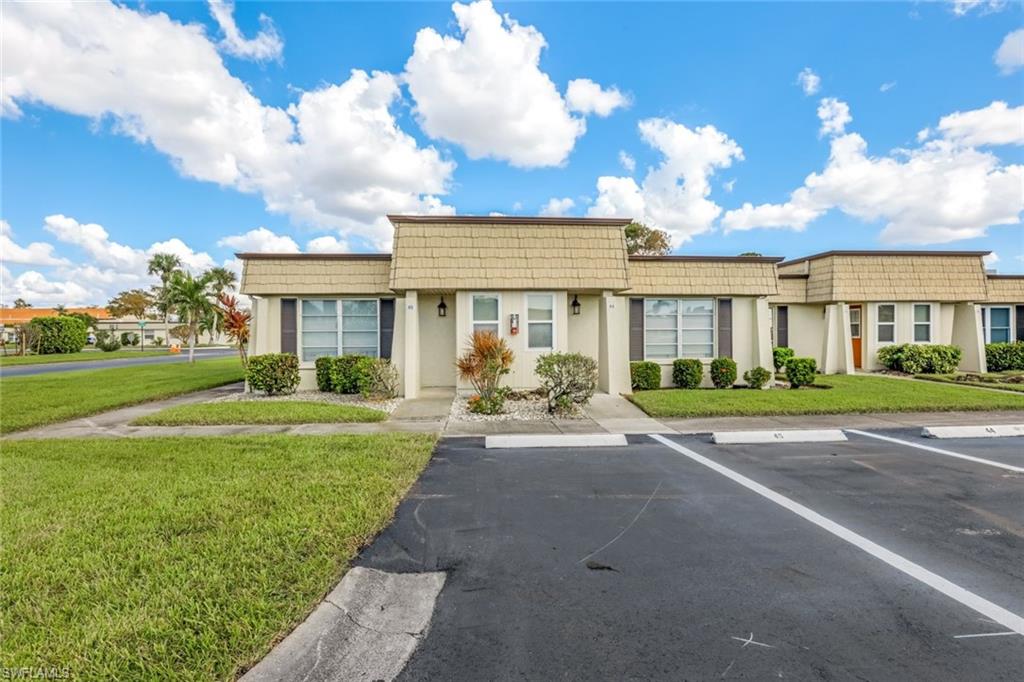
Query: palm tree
x,y
221,279
163,265
190,296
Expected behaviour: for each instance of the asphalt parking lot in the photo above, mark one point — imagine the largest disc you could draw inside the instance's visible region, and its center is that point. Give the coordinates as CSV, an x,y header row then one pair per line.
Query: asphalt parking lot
x,y
643,562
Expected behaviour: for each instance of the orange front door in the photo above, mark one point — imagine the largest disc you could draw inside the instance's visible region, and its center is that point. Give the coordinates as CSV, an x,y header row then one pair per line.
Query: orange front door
x,y
855,329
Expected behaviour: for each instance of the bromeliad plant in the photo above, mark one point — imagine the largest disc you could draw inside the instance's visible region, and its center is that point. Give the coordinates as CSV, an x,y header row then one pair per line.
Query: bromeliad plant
x,y
483,365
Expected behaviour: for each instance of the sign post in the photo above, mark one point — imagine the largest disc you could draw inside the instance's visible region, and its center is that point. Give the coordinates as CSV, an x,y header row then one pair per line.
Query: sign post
x,y
142,334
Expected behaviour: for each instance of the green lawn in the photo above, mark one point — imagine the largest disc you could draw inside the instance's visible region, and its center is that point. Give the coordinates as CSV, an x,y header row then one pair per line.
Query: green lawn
x,y
990,380
183,558
261,412
84,356
49,398
848,394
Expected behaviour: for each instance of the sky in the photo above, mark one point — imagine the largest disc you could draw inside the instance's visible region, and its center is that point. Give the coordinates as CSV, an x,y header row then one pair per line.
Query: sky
x,y
209,128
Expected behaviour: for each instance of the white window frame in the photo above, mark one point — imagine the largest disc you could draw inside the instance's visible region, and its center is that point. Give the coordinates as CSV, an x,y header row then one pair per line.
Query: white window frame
x,y
878,324
473,322
914,323
300,331
679,327
554,316
986,321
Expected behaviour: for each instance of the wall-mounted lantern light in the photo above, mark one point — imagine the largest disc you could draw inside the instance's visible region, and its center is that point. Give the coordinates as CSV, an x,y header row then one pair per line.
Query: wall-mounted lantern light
x,y
442,308
575,305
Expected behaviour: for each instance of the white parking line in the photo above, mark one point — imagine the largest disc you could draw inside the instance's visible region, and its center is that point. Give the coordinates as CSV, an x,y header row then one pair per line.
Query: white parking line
x,y
948,453
986,608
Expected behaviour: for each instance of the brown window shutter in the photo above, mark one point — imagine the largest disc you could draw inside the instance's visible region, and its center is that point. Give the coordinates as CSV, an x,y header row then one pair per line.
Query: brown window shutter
x,y
289,314
725,327
782,326
387,326
636,329
1020,323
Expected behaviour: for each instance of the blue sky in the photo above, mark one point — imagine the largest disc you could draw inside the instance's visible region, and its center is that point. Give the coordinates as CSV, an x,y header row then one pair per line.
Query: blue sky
x,y
124,129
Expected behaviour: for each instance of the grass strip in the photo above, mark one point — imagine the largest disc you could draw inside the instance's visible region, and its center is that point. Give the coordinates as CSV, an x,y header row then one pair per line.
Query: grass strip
x,y
183,558
261,412
847,394
42,399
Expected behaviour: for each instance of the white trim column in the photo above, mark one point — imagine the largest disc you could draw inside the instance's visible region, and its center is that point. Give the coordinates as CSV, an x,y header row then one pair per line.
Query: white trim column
x,y
968,335
411,366
613,344
762,337
838,351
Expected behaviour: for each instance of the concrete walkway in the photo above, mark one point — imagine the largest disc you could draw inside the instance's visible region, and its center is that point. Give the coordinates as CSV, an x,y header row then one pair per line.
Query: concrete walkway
x,y
615,414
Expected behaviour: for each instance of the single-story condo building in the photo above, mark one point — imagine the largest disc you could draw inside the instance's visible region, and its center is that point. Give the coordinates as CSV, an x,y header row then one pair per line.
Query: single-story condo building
x,y
543,284
841,307
549,284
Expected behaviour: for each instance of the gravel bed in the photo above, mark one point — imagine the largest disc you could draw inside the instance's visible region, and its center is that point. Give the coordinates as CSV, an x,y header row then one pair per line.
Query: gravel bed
x,y
529,409
387,406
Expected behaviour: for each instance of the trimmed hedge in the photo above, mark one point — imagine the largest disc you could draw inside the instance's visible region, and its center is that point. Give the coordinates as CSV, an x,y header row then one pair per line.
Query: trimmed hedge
x,y
723,372
645,375
915,358
1004,356
61,334
687,372
801,371
780,355
323,373
350,373
757,377
273,373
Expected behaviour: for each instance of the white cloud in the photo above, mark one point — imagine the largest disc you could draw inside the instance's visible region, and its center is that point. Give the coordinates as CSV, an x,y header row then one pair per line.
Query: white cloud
x,y
336,158
1010,55
991,259
965,7
327,244
673,196
36,253
95,241
266,46
886,87
809,81
587,97
37,289
557,207
940,192
996,124
485,91
834,114
191,260
260,240
728,186
627,161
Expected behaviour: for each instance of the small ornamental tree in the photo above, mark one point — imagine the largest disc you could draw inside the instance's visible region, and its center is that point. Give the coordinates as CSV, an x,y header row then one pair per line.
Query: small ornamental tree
x,y
486,360
568,379
235,323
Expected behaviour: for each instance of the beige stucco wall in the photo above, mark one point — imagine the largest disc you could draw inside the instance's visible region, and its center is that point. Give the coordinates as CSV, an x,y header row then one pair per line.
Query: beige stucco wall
x,y
807,330
512,302
584,329
613,344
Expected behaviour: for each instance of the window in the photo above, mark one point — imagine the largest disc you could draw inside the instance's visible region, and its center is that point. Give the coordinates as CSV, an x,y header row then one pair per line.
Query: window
x,y
328,328
996,324
359,327
540,321
922,323
486,313
886,322
679,328
855,322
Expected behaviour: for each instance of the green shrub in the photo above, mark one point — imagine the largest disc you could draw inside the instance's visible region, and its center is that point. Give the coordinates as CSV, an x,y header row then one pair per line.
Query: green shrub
x,y
348,373
568,379
108,344
801,371
323,373
645,375
914,358
273,373
1004,356
493,404
59,334
687,372
129,339
723,372
756,378
158,341
379,380
780,355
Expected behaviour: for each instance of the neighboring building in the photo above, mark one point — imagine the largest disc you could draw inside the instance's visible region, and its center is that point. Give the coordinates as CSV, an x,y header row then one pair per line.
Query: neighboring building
x,y
543,284
11,318
1002,315
841,307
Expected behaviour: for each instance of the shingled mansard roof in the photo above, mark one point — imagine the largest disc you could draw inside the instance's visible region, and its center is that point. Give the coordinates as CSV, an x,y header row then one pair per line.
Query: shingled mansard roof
x,y
702,275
